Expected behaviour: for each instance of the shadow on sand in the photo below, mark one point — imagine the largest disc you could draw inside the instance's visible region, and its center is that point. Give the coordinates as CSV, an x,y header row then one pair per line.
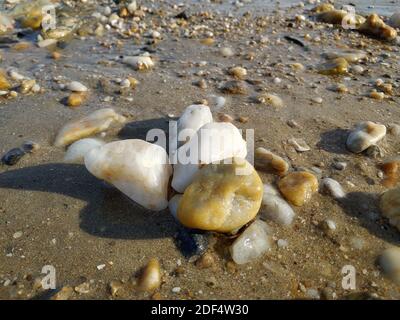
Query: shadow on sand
x,y
108,213
334,141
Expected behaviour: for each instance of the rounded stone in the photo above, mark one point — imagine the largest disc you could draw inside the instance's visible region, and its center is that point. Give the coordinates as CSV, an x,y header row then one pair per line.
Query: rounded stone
x,y
222,197
298,187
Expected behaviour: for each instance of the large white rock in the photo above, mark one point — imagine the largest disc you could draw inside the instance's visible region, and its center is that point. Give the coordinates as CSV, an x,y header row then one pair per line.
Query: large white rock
x,y
137,168
364,135
275,208
76,151
191,120
252,243
213,142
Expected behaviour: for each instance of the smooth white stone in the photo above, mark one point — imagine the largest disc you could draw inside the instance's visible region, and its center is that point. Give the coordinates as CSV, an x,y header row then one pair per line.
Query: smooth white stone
x,y
252,243
76,151
213,142
365,135
191,120
76,86
173,205
137,168
333,187
275,208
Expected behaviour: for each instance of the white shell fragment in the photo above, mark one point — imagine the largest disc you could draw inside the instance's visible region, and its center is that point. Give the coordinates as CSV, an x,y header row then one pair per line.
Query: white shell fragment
x,y
333,188
364,135
76,151
143,62
191,120
213,142
299,145
275,208
252,243
137,168
76,86
93,123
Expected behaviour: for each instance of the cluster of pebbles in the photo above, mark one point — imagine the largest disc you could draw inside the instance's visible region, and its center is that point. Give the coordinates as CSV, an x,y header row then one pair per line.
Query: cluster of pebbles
x,y
207,197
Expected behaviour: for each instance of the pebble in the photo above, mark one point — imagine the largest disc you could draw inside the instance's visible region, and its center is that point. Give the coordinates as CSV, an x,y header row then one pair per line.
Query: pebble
x,y
213,142
318,100
357,69
222,197
76,152
275,208
390,206
252,243
76,86
139,169
76,99
234,87
364,135
17,234
271,99
47,43
267,161
340,165
328,225
91,124
63,294
226,52
389,261
141,63
4,83
351,56
334,67
376,27
394,129
191,242
150,279
238,72
333,188
11,157
299,145
394,20
298,187
206,261
83,288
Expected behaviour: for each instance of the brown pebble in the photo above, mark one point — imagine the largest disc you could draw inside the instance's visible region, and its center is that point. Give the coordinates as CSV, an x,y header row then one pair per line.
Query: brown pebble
x,y
207,260
223,117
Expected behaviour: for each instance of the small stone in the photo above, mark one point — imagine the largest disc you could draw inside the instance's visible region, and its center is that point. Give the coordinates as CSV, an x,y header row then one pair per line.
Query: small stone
x,y
226,52
4,83
375,26
299,145
270,99
191,242
328,225
234,87
76,99
394,129
12,156
83,288
222,197
238,72
116,288
389,261
17,234
101,266
318,100
223,117
364,135
150,279
334,67
340,165
173,205
93,123
394,20
357,69
207,260
64,294
267,161
76,86
333,188
282,243
390,206
140,63
47,43
176,290
275,208
298,187
252,243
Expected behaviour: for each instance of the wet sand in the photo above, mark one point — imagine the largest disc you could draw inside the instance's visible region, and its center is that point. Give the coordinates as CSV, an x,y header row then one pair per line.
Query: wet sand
x,y
75,222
